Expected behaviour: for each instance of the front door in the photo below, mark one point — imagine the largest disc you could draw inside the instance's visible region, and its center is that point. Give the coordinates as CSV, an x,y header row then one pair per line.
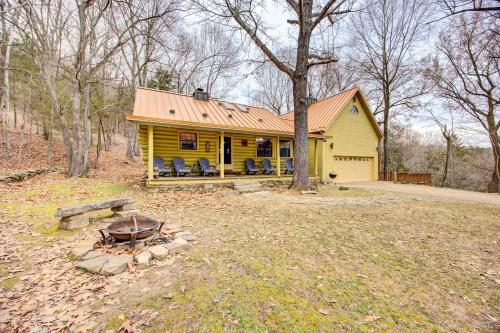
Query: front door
x,y
227,150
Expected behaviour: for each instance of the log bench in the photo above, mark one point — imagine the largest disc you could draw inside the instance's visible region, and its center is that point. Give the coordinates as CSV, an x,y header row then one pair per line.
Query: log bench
x,y
73,217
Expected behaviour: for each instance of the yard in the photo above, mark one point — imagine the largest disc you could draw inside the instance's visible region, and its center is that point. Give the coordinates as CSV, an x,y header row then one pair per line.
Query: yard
x,y
360,260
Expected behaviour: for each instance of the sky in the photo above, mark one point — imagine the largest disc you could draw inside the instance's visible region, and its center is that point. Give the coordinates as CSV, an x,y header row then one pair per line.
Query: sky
x,y
276,15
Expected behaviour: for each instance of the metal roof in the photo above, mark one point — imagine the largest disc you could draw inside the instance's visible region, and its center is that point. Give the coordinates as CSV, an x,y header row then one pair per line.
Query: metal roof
x,y
158,106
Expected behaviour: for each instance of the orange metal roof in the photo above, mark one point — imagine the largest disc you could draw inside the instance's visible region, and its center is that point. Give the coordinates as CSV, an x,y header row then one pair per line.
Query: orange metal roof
x,y
322,113
151,104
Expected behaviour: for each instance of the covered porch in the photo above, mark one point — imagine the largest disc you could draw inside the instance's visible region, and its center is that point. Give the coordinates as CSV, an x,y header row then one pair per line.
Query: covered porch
x,y
227,156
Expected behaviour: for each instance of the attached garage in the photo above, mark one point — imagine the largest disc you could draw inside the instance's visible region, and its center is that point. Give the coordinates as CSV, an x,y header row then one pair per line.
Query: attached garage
x,y
353,168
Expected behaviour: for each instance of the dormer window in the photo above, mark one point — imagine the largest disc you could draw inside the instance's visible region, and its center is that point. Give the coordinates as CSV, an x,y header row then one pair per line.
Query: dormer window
x,y
354,110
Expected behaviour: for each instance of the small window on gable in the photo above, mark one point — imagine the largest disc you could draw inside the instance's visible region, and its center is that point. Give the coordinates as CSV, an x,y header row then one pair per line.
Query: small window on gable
x,y
188,141
354,110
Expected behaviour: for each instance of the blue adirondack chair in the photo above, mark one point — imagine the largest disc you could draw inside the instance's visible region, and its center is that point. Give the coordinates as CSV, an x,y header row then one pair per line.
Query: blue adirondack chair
x,y
180,168
159,163
205,168
251,167
268,168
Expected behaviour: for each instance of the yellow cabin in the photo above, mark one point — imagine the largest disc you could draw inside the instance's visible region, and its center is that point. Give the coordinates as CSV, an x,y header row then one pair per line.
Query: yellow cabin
x,y
343,137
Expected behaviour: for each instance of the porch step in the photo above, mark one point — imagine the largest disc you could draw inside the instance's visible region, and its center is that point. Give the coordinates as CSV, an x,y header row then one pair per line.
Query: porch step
x,y
247,186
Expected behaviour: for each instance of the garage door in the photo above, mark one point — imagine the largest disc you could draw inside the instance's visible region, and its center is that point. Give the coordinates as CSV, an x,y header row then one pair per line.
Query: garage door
x,y
352,168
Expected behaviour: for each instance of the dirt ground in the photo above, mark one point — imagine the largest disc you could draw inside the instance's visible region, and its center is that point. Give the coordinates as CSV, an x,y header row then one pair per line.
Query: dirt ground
x,y
364,260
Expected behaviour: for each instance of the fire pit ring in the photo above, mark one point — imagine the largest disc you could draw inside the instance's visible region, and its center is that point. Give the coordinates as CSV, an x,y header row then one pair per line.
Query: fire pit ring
x,y
131,229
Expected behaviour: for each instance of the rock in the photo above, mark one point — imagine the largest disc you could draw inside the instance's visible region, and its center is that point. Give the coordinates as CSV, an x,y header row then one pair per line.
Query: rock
x,y
186,235
93,265
124,208
82,249
143,259
177,246
116,264
208,186
73,222
159,251
93,254
127,213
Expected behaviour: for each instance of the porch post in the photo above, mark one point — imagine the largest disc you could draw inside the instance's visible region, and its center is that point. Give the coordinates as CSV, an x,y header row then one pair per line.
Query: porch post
x,y
278,160
150,152
316,158
221,155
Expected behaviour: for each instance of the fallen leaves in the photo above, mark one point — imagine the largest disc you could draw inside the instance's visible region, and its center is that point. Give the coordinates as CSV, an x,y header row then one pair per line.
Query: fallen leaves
x,y
324,312
371,318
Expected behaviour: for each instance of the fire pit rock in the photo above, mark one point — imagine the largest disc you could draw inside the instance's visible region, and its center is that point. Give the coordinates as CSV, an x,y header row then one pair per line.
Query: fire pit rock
x,y
116,264
103,263
109,258
143,259
159,252
82,249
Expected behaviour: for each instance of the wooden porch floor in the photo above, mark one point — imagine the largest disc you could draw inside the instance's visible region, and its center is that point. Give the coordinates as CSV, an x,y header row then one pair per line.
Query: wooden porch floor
x,y
216,179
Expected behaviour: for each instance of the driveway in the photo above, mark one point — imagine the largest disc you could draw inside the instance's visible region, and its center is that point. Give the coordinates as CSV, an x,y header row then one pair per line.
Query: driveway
x,y
429,191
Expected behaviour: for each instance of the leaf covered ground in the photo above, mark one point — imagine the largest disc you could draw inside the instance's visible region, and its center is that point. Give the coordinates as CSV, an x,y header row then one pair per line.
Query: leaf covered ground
x,y
258,265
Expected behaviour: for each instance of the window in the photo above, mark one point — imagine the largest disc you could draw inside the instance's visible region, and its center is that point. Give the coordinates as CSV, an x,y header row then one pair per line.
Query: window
x,y
188,141
264,147
226,105
242,108
354,110
285,148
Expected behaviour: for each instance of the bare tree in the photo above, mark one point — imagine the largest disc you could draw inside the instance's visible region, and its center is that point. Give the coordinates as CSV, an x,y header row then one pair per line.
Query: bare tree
x,y
454,7
147,43
446,127
204,58
333,78
7,41
273,89
466,72
43,24
309,19
385,40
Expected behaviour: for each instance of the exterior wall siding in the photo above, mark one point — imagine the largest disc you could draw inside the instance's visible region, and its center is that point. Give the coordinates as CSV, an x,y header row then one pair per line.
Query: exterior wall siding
x,y
166,145
351,135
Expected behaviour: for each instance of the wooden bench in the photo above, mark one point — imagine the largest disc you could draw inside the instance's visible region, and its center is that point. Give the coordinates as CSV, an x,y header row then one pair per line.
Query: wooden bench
x,y
73,217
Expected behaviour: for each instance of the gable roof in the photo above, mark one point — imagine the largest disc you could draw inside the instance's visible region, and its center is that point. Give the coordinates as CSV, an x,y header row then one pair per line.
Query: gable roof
x,y
322,114
155,105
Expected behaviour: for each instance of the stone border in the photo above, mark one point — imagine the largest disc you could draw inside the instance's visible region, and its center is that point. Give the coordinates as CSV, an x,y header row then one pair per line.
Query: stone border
x,y
102,263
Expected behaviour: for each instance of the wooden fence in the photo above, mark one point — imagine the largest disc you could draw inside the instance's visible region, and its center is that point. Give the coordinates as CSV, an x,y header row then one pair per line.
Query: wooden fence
x,y
407,177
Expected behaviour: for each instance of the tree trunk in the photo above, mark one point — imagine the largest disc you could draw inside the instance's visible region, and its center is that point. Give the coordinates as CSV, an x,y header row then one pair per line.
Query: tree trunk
x,y
87,131
131,138
386,130
99,143
299,79
50,143
300,160
76,159
6,92
449,148
493,185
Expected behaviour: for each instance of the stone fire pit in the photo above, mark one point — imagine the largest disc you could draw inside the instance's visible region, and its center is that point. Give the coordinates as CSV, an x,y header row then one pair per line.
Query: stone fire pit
x,y
111,259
